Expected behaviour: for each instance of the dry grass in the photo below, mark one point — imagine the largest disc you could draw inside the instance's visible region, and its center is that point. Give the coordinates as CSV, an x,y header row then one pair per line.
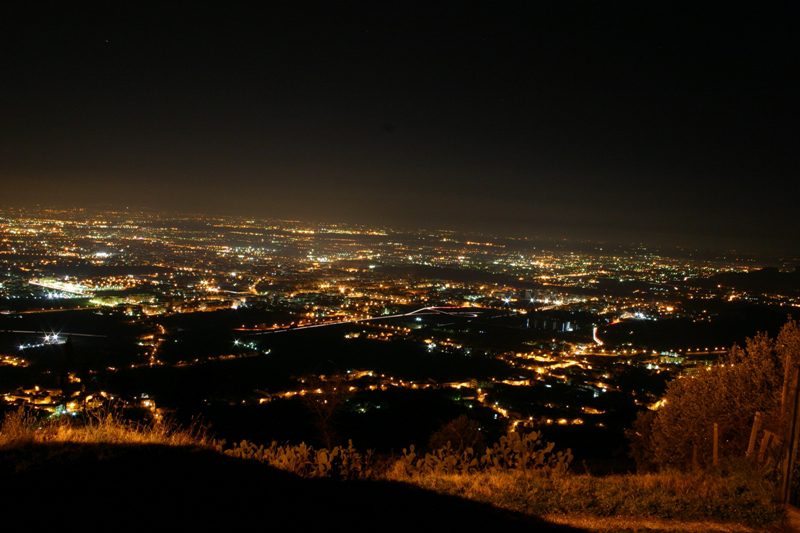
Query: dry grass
x,y
737,499
733,499
23,427
18,428
627,523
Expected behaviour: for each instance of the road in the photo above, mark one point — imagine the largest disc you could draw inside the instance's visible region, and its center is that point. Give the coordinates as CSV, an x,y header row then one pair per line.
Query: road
x,y
463,312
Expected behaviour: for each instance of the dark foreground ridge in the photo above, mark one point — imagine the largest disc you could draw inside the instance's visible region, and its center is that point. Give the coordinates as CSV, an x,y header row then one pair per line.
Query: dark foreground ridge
x,y
113,487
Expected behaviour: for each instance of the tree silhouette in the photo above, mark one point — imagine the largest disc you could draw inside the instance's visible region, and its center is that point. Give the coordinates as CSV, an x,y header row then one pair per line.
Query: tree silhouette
x,y
461,433
326,404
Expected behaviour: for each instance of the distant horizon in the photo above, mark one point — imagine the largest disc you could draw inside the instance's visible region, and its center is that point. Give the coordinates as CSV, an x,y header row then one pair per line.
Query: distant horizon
x,y
516,235
644,123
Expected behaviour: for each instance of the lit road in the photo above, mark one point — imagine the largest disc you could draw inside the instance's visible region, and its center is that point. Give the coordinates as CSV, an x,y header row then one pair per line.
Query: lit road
x,y
60,334
595,337
52,310
465,312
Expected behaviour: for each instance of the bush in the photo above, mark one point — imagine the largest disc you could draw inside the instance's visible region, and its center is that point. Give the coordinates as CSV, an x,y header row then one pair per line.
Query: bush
x,y
339,462
728,393
513,452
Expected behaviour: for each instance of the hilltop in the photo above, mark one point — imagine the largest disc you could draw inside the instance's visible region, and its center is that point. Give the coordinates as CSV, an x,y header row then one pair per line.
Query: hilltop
x,y
108,474
153,486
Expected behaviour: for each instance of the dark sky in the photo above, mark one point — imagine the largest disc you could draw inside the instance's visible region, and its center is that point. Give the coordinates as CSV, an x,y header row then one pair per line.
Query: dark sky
x,y
659,122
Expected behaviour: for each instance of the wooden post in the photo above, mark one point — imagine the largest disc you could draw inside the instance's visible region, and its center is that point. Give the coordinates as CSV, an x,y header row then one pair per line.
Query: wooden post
x,y
695,464
785,389
790,442
715,456
751,446
762,450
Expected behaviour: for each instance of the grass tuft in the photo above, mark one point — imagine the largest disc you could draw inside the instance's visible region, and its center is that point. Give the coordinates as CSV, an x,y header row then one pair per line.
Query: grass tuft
x,y
106,427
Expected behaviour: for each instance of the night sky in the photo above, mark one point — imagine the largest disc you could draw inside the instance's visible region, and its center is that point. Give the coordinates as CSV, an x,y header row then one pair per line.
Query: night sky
x,y
657,122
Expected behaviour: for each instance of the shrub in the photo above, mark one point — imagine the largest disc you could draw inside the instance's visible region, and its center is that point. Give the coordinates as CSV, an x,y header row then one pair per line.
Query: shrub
x,y
728,393
339,462
513,452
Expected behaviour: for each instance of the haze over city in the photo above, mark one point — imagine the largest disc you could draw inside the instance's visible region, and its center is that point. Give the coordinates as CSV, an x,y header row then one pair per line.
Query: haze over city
x,y
643,124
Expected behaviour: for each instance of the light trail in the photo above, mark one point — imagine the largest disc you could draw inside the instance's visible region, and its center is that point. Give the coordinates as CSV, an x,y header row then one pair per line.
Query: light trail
x,y
52,310
417,312
60,334
595,337
62,286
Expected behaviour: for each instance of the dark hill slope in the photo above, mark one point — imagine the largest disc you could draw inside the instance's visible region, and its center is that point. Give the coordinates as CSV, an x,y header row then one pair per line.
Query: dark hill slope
x,y
114,488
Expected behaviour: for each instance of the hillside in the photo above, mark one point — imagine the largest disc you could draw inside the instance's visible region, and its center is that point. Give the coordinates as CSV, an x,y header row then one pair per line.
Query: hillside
x,y
107,473
114,487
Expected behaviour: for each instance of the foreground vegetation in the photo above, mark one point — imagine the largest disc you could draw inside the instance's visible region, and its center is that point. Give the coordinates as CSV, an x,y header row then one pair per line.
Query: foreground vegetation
x,y
518,473
25,427
746,383
735,495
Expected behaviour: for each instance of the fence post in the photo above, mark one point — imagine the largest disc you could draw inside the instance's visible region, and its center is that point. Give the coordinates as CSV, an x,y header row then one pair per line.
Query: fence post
x,y
762,450
715,456
790,442
751,446
785,389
